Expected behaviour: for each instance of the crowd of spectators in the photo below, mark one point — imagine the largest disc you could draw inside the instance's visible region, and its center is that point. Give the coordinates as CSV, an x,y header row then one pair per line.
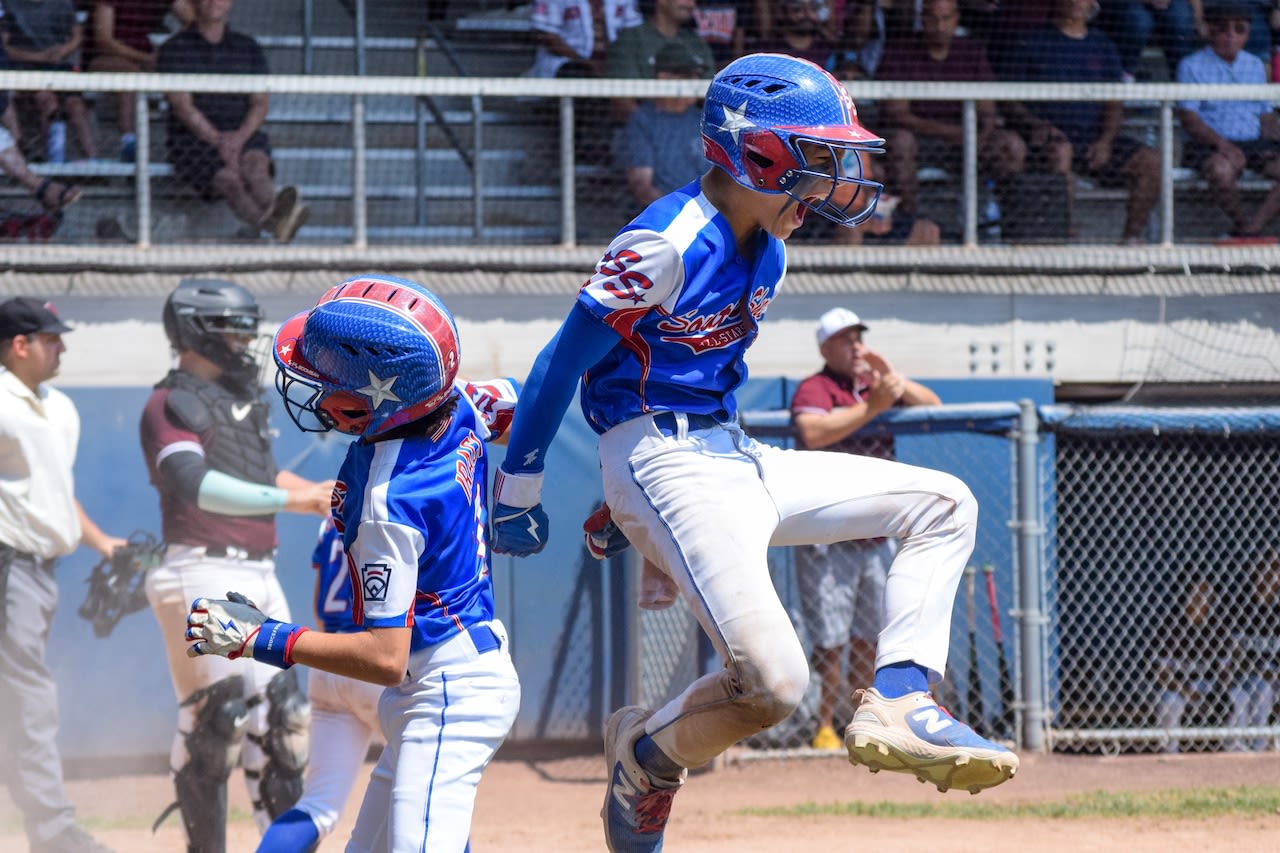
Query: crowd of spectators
x,y
1048,145
1046,149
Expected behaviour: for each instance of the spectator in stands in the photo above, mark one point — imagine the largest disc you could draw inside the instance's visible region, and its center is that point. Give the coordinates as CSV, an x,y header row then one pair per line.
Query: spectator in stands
x,y
1072,137
932,132
1171,25
635,53
1254,628
577,34
1009,23
799,30
574,41
1226,137
119,39
44,35
725,25
216,142
52,195
660,147
1190,655
860,41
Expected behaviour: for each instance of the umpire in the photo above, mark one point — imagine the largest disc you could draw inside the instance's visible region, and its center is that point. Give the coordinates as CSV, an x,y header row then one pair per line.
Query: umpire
x,y
40,521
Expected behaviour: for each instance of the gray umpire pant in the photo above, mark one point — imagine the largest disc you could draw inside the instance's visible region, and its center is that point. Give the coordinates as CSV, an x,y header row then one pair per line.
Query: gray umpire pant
x,y
30,764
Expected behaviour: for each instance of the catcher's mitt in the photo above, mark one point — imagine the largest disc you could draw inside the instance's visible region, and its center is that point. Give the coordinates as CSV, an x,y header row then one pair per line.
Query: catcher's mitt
x,y
116,583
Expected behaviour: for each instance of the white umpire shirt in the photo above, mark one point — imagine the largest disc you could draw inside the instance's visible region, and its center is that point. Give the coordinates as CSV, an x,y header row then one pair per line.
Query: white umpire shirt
x,y
38,437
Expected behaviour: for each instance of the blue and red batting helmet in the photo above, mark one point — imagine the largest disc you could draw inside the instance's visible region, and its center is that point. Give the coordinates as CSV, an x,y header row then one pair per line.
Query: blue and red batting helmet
x,y
374,353
758,111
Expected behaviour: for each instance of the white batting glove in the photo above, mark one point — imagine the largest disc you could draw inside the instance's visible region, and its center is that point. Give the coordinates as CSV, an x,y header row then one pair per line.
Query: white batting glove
x,y
236,628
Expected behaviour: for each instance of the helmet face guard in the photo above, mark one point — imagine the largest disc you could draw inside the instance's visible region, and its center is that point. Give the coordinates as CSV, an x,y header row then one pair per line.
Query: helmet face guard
x,y
824,176
777,124
374,353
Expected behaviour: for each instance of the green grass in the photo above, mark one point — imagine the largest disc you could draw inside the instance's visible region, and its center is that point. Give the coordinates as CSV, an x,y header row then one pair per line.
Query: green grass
x,y
1198,803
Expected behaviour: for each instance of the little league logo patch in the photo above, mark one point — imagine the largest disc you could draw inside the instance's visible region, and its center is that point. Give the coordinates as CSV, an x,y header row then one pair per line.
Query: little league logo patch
x,y
374,579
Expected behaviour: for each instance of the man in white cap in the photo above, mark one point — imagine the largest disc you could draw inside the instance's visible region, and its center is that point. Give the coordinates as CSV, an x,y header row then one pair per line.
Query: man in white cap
x,y
843,583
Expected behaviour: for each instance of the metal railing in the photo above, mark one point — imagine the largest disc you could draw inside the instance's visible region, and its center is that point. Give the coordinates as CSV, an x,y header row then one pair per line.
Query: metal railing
x,y
481,90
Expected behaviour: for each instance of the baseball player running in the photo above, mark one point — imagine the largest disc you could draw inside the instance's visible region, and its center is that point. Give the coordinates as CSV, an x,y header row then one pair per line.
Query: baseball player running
x,y
377,357
657,336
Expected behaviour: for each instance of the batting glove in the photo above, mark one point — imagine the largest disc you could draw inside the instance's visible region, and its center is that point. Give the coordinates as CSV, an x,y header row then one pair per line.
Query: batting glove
x,y
520,524
236,628
603,538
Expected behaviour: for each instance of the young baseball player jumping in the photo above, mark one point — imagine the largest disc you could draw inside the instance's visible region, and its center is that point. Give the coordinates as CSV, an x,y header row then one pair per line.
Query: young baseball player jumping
x,y
658,336
377,357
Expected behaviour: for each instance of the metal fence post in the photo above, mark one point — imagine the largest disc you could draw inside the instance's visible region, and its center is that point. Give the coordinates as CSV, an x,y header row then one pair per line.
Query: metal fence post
x,y
1031,583
477,168
142,168
359,176
568,168
969,176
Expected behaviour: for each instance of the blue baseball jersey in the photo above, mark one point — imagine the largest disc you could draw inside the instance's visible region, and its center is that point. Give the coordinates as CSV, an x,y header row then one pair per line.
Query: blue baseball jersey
x,y
333,581
686,304
412,516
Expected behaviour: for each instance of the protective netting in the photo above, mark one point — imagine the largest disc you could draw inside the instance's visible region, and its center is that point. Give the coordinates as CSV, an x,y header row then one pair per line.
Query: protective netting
x,y
1166,579
405,122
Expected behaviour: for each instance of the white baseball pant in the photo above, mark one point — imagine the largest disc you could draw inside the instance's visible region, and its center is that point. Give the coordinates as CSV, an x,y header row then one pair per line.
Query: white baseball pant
x,y
706,505
443,725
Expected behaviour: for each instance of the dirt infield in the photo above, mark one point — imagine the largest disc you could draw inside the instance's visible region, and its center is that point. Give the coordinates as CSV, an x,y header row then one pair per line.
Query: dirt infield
x,y
553,805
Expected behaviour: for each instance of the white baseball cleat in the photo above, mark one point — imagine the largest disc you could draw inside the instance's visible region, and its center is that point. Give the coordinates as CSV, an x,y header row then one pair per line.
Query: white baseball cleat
x,y
914,734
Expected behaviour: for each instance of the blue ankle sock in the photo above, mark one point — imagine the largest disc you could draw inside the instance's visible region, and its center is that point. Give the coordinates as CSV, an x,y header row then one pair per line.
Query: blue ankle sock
x,y
899,679
293,830
654,761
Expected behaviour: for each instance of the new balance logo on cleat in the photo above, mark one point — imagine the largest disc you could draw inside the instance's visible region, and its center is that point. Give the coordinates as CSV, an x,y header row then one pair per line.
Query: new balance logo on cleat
x,y
934,719
623,790
913,734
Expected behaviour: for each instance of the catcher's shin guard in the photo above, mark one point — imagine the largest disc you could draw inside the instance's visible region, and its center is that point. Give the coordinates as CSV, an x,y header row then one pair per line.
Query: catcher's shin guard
x,y
284,746
212,748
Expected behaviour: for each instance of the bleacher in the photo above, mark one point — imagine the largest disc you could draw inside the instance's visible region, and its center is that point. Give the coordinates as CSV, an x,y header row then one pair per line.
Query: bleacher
x,y
422,178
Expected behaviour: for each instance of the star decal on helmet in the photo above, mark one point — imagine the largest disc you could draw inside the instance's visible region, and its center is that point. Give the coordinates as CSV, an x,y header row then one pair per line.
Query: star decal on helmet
x,y
379,390
285,349
736,121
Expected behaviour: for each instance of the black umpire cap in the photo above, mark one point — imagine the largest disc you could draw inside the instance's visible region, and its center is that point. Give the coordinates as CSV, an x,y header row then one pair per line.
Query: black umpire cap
x,y
25,315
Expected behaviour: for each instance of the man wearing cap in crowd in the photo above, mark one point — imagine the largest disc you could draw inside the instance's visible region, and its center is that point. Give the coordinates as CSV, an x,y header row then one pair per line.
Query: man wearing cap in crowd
x,y
842,584
660,147
40,521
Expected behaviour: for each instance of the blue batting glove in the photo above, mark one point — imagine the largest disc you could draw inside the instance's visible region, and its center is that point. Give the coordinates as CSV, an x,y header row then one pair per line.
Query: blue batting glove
x,y
519,531
520,525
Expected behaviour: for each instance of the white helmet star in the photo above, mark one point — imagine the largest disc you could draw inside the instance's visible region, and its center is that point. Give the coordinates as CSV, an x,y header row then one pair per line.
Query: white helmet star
x,y
736,121
379,390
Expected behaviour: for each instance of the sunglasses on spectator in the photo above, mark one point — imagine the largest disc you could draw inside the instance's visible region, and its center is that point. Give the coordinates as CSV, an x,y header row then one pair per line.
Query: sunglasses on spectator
x,y
1238,27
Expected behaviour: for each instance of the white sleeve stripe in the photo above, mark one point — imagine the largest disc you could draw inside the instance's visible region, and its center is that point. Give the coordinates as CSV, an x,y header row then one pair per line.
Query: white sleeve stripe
x,y
179,447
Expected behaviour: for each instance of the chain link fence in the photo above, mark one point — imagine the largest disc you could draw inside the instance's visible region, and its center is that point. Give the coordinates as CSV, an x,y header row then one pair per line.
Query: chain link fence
x,y
1123,594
